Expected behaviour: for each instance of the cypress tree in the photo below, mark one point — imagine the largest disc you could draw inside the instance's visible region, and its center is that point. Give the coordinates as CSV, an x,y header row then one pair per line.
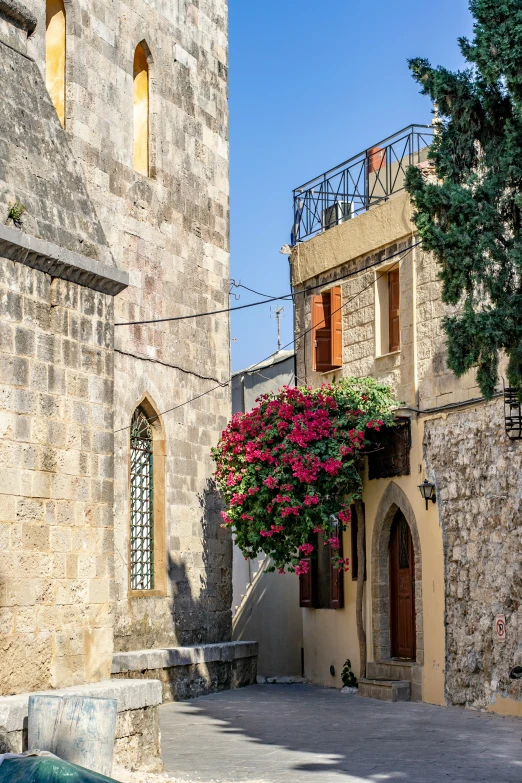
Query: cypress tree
x,y
470,214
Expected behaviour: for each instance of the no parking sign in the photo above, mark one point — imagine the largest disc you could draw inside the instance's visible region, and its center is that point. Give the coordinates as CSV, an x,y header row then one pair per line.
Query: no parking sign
x,y
500,627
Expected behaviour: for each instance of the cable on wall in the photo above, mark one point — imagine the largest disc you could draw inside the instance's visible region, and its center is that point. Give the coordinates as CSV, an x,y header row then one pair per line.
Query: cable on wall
x,y
297,337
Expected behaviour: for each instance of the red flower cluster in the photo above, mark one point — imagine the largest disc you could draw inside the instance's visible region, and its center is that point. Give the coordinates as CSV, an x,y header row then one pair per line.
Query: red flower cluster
x,y
284,467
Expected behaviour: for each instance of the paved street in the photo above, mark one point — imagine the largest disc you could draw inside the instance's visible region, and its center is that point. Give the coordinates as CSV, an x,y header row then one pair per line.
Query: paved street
x,y
300,734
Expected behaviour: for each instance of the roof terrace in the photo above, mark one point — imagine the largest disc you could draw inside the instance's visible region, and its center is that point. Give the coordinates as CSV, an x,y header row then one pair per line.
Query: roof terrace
x,y
359,183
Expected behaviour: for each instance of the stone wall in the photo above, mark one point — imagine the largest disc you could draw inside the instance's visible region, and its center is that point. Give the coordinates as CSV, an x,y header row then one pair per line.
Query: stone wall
x,y
421,362
56,481
137,736
188,672
169,230
477,472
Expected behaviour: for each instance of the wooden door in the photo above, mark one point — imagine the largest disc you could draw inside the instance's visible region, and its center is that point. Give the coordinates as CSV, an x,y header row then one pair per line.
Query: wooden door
x,y
402,590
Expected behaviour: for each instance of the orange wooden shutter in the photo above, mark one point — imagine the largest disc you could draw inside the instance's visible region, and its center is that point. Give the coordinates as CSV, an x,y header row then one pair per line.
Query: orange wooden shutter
x,y
394,310
322,332
337,327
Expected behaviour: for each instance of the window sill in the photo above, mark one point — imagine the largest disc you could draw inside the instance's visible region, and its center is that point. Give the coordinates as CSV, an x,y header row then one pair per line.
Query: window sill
x,y
329,372
385,355
147,594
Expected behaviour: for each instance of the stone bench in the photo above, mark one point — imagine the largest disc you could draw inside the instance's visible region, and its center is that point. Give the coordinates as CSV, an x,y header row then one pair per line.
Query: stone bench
x,y
137,743
187,672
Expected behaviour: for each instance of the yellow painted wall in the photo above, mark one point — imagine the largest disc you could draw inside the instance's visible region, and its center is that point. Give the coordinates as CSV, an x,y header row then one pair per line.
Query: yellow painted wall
x,y
55,55
330,636
141,111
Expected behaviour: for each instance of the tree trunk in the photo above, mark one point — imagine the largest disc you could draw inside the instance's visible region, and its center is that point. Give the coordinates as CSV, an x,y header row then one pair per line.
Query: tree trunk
x,y
361,569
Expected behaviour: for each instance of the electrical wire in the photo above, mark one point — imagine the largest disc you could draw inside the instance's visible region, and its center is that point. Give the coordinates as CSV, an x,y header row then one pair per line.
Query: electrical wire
x,y
294,340
258,293
266,301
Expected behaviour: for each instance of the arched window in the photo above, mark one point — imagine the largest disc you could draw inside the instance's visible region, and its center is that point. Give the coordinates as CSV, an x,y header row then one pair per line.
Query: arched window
x,y
142,503
141,110
55,55
147,571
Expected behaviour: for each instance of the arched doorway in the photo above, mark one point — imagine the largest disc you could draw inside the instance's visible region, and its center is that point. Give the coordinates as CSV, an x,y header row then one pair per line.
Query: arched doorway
x,y
401,564
393,506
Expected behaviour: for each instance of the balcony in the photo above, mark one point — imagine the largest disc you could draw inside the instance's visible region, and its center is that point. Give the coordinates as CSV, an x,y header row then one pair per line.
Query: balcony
x,y
360,183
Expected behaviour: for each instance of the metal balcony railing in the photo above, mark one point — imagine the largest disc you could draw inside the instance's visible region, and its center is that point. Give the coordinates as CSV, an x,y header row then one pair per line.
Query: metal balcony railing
x,y
360,183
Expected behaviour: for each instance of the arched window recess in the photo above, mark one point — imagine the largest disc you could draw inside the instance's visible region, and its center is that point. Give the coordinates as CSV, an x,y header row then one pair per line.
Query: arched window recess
x,y
55,53
147,502
141,128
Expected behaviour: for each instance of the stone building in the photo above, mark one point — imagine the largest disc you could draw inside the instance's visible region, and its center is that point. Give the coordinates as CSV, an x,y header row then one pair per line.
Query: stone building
x,y
442,578
113,209
264,606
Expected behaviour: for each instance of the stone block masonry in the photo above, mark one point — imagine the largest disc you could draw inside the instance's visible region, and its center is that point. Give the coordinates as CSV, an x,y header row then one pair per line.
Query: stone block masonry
x,y
188,672
137,744
56,481
477,472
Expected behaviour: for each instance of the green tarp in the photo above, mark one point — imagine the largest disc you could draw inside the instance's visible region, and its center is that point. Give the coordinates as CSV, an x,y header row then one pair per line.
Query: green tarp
x,y
46,769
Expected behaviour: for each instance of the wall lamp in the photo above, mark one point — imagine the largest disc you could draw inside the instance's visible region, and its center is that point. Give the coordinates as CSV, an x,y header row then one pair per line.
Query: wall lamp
x,y
427,490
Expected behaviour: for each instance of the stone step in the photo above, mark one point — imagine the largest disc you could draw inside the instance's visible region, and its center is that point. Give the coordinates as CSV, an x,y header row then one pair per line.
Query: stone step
x,y
385,690
390,670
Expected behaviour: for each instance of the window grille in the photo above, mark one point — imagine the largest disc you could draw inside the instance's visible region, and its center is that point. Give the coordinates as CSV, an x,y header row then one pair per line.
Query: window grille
x,y
142,506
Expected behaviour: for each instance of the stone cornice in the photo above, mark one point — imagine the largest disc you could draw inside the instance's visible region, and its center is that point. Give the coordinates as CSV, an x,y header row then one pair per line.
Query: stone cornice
x,y
59,262
19,14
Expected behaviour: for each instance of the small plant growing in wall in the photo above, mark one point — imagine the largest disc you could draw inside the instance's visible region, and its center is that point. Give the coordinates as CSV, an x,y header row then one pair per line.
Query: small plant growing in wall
x,y
347,676
15,213
290,468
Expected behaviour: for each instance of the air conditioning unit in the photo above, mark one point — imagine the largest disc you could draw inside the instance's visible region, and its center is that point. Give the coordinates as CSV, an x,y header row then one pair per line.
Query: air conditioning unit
x,y
336,214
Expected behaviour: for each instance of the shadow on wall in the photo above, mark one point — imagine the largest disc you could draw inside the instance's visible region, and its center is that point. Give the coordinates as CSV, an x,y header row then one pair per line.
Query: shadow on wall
x,y
301,729
269,613
202,580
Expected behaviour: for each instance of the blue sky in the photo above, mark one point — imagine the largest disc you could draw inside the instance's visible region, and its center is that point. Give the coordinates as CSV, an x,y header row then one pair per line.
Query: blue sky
x,y
311,84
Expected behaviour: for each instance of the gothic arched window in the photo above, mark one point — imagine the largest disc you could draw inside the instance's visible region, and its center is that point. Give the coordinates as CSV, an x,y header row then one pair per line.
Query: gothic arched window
x,y
55,55
142,502
141,110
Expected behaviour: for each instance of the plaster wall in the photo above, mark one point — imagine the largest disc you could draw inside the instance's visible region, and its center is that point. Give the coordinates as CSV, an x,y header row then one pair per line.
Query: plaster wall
x,y
330,636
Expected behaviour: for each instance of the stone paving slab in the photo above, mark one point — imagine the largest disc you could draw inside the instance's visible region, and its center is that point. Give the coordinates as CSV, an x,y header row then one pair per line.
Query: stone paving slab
x,y
302,733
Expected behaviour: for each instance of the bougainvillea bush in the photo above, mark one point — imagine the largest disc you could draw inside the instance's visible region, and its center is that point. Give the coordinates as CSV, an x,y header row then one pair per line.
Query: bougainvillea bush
x,y
289,469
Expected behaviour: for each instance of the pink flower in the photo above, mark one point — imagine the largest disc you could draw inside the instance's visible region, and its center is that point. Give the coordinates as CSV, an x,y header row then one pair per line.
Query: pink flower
x,y
306,549
290,511
281,571
277,528
345,515
311,500
333,466
334,542
266,533
302,568
318,529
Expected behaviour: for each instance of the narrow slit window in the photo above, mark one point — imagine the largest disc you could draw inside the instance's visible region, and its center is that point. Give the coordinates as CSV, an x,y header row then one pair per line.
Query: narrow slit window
x,y
55,55
141,111
142,503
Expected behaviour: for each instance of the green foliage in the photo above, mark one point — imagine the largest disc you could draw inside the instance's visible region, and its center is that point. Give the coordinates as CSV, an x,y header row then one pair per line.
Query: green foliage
x,y
347,676
289,468
15,213
471,218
